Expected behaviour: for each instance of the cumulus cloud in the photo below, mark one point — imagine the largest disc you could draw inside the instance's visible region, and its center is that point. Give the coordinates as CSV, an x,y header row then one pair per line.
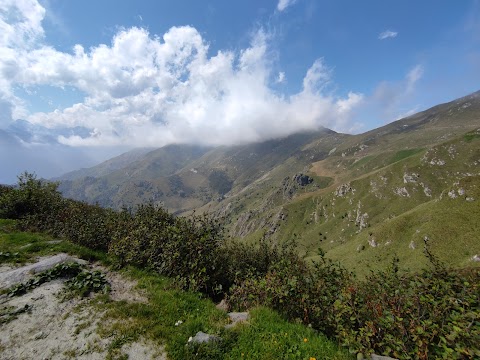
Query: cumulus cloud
x,y
147,90
387,34
283,4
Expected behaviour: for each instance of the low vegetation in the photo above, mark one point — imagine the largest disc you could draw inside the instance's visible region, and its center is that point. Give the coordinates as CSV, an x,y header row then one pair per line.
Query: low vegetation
x,y
434,313
80,281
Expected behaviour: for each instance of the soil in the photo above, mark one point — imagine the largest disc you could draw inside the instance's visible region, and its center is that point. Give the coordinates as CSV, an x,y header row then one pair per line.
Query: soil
x,y
43,325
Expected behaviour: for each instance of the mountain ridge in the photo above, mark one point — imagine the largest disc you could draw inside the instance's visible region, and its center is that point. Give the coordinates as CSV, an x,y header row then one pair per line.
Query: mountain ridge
x,y
323,189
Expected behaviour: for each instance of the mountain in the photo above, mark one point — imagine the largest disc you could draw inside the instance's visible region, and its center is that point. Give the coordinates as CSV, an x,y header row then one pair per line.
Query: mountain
x,y
106,167
361,198
34,133
132,178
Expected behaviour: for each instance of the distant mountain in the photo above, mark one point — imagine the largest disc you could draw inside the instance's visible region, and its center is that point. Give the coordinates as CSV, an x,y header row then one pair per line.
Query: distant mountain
x,y
34,133
108,166
131,178
361,198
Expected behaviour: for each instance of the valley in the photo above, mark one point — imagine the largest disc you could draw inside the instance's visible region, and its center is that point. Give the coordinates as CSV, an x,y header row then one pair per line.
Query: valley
x,y
361,198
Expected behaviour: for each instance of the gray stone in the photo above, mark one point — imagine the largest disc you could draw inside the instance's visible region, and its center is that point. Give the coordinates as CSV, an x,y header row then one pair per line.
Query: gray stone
x,y
222,305
23,273
202,337
237,317
379,357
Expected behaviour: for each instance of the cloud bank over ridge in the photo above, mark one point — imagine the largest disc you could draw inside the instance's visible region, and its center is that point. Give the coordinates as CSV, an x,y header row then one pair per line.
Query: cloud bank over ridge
x,y
147,90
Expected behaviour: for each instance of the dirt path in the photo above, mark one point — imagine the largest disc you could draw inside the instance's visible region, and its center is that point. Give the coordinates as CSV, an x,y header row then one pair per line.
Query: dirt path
x,y
319,168
47,327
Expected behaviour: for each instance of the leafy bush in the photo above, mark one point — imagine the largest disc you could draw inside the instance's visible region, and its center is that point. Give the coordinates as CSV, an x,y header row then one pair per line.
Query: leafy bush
x,y
87,225
434,314
138,238
184,248
296,289
31,197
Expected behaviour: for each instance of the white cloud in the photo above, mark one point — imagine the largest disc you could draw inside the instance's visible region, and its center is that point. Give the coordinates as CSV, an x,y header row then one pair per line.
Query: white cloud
x,y
144,90
280,77
413,76
387,34
389,97
283,4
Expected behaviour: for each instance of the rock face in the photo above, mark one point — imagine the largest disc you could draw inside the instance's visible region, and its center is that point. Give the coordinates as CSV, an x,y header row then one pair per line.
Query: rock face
x,y
302,180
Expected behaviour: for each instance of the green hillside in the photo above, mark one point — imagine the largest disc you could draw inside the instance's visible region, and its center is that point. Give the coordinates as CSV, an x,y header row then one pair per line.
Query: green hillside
x,y
360,198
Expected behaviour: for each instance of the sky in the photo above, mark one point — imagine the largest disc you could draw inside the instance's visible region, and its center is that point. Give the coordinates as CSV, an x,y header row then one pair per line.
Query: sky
x,y
83,80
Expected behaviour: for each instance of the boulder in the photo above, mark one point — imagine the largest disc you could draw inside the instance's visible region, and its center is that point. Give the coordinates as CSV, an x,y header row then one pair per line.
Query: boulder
x,y
237,317
22,274
202,337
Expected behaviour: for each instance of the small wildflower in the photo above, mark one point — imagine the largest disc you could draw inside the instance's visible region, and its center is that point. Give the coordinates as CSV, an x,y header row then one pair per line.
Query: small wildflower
x,y
179,322
312,358
305,340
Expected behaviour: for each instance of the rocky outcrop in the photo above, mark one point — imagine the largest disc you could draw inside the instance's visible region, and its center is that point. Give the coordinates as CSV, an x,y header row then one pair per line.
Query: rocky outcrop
x,y
343,190
302,180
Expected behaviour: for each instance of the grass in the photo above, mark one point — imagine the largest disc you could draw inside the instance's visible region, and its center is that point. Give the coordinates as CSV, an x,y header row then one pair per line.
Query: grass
x,y
471,136
403,154
438,220
266,336
28,246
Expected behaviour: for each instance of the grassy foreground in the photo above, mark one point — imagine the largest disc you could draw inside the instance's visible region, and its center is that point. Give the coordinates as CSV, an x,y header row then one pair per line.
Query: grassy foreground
x,y
266,335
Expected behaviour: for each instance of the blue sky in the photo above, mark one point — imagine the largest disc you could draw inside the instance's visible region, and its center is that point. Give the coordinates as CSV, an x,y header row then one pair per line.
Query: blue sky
x,y
100,77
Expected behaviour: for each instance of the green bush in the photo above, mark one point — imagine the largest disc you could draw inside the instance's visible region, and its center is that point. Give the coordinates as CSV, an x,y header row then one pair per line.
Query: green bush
x,y
31,197
86,225
138,238
187,249
296,289
434,314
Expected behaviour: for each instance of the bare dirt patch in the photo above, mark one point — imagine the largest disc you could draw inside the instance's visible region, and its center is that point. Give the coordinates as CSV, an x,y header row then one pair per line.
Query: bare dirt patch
x,y
42,324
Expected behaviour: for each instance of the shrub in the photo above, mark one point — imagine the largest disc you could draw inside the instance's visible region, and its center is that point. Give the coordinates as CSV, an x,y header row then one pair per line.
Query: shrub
x,y
296,289
187,249
138,238
434,314
32,196
86,225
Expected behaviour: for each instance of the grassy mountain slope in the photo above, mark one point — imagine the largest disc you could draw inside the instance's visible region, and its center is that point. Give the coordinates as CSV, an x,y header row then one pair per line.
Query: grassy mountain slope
x,y
184,178
106,167
361,198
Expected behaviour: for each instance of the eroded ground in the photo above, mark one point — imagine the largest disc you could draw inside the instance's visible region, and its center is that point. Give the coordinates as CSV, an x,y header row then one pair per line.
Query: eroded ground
x,y
44,324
